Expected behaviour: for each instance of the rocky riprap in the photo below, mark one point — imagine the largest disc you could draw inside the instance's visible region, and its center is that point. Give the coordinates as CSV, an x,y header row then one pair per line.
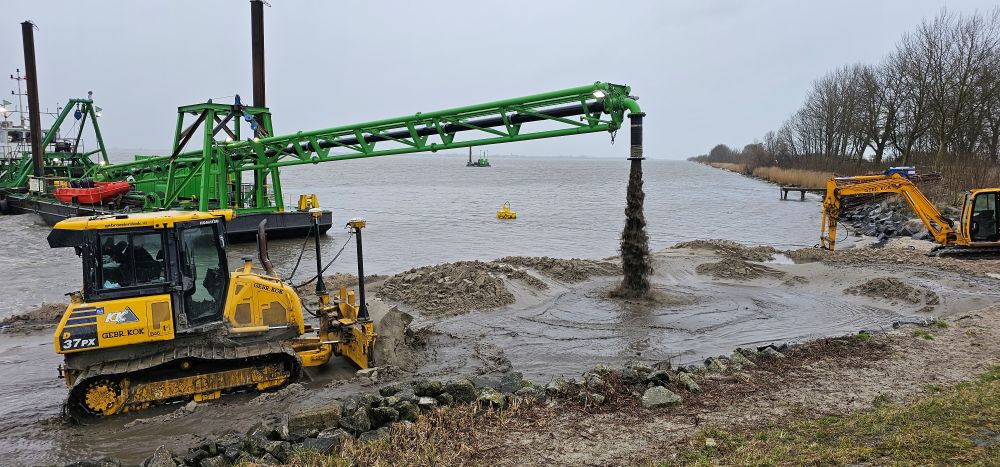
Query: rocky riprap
x,y
889,219
371,415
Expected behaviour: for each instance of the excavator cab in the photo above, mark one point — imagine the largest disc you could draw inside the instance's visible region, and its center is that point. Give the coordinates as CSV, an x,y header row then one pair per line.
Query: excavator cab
x,y
980,211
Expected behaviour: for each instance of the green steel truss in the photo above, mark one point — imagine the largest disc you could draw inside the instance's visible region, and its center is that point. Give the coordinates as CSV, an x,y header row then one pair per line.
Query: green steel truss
x,y
237,165
65,155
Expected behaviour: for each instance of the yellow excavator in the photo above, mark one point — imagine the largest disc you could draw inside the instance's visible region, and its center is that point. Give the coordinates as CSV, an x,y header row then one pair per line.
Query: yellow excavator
x,y
975,232
161,318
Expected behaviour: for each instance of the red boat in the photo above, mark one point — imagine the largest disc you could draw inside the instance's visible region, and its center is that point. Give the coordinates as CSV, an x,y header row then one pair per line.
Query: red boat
x,y
101,192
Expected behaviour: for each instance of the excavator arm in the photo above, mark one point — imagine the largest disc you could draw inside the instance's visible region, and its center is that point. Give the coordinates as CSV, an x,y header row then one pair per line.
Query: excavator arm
x,y
838,189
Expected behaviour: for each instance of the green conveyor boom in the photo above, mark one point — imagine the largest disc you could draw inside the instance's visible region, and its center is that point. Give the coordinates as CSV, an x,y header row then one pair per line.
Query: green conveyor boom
x,y
237,141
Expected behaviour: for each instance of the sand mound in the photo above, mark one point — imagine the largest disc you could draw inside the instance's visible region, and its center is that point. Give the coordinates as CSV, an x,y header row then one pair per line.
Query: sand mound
x,y
46,314
731,249
892,289
566,270
455,288
738,269
892,254
339,279
807,255
521,275
449,289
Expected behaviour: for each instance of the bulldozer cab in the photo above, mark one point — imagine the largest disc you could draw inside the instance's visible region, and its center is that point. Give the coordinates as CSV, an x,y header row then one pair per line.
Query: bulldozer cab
x,y
980,215
142,255
204,275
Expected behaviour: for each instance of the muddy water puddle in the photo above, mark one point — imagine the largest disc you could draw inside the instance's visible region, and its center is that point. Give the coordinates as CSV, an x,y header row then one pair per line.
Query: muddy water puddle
x,y
567,329
699,317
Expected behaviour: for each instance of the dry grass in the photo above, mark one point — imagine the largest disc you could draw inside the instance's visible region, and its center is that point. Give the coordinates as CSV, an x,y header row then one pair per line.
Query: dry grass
x,y
460,435
960,425
961,175
793,177
738,168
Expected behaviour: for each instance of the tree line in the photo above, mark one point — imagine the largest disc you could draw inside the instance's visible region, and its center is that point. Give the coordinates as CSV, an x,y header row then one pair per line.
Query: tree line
x,y
934,100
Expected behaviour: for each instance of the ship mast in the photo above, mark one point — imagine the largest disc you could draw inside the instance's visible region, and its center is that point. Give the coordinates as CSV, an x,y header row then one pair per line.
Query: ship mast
x,y
20,94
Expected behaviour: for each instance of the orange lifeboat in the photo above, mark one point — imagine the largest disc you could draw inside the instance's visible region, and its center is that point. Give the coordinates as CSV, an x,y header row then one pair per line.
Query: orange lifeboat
x,y
98,194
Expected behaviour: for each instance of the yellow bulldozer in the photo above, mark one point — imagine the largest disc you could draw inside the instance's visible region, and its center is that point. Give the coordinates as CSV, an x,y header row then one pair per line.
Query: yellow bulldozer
x,y
975,232
161,318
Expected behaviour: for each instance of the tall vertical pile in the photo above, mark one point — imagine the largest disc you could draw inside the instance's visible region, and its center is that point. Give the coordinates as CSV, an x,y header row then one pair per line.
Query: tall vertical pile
x,y
636,263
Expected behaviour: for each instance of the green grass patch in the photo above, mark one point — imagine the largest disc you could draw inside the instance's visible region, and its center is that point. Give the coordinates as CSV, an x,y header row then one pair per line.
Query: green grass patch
x,y
934,387
923,334
959,425
939,324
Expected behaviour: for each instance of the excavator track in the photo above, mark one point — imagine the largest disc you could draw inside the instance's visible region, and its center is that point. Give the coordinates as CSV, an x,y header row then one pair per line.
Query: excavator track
x,y
964,252
191,372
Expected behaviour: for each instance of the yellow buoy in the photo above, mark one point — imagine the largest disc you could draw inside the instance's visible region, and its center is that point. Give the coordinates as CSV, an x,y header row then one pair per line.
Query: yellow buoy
x,y
505,212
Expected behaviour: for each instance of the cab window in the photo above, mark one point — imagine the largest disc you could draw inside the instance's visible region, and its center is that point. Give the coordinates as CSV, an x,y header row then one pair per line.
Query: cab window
x,y
984,218
202,264
129,260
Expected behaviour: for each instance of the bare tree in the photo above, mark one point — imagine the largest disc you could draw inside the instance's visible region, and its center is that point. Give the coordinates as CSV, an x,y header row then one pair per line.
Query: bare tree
x,y
878,107
937,95
907,76
958,50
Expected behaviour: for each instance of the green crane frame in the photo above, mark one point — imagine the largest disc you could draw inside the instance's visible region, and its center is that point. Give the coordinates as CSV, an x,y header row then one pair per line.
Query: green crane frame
x,y
211,177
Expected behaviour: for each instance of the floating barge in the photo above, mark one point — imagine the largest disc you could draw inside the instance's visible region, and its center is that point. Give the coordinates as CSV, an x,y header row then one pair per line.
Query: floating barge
x,y
227,156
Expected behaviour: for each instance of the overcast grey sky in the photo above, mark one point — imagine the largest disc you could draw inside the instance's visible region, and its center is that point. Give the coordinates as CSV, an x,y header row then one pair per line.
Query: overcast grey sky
x,y
705,71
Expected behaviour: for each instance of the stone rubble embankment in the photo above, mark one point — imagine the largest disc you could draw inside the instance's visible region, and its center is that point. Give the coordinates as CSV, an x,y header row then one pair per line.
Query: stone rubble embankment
x,y
889,219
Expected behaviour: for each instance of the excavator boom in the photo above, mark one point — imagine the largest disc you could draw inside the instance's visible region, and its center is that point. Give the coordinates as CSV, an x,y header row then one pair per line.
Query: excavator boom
x,y
837,189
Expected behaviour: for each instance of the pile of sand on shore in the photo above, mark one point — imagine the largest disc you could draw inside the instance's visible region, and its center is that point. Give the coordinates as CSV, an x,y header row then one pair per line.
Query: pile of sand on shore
x,y
566,270
731,249
448,289
456,288
892,289
46,314
894,254
737,269
808,255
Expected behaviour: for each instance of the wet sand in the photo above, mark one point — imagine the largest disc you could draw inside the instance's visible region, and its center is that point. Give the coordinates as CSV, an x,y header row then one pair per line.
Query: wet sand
x,y
560,329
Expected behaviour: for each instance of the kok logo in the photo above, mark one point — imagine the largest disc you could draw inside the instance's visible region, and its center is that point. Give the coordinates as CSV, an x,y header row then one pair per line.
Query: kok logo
x,y
120,317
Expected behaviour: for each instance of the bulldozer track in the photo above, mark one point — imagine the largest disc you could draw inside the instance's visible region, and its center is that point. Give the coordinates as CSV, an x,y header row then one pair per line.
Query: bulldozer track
x,y
198,372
